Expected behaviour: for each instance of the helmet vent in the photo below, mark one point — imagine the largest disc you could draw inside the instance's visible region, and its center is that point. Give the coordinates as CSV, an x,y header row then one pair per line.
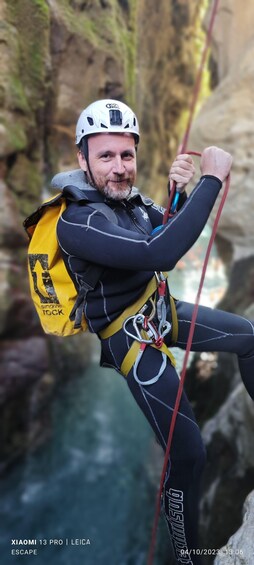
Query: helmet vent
x,y
103,126
90,121
116,117
127,126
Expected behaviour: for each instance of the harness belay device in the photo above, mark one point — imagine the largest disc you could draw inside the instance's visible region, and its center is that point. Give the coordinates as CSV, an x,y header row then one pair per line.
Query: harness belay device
x,y
145,331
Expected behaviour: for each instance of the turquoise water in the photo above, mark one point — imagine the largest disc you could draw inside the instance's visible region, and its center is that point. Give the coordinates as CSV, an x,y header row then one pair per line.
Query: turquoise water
x,y
88,495
88,492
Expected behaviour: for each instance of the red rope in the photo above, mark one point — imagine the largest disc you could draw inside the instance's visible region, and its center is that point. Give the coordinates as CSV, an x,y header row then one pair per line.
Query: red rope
x,y
183,372
193,104
195,310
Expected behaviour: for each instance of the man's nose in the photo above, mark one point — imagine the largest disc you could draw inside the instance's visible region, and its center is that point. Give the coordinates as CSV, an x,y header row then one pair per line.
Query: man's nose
x,y
118,166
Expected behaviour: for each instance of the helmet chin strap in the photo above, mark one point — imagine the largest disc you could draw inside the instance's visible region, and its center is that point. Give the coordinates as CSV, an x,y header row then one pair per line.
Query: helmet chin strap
x,y
90,178
85,152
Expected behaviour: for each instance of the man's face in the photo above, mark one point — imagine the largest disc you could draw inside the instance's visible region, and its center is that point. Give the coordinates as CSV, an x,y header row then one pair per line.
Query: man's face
x,y
112,161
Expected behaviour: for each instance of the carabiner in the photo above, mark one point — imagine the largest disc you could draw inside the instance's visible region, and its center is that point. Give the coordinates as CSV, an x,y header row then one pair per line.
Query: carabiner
x,y
164,328
138,318
161,309
144,308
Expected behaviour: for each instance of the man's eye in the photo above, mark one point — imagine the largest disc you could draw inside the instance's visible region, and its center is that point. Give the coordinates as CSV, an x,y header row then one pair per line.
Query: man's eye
x,y
127,156
105,156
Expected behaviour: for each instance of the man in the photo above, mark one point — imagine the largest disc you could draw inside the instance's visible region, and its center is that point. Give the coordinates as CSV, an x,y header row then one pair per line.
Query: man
x,y
130,307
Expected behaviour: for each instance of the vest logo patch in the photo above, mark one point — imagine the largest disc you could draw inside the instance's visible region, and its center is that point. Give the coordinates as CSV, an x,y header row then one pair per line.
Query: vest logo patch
x,y
144,214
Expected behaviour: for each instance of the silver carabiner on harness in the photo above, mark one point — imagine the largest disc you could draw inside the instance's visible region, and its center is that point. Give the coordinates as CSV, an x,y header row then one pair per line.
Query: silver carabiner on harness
x,y
153,335
161,307
140,319
164,328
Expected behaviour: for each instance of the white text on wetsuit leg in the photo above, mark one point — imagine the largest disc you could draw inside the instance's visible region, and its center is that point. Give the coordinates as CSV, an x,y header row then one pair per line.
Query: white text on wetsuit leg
x,y
176,520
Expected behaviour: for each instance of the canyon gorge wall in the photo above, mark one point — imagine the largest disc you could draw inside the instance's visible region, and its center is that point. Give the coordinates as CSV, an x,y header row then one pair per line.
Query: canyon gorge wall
x,y
58,56
226,119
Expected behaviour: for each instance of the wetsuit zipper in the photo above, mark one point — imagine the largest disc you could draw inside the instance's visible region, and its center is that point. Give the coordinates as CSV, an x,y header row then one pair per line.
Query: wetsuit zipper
x,y
133,217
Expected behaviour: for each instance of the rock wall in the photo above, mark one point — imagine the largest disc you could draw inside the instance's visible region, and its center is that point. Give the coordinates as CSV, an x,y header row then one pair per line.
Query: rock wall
x,y
229,475
239,549
56,57
226,119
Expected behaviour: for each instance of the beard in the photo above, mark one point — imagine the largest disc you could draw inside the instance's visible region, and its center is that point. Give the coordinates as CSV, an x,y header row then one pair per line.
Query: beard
x,y
111,192
115,194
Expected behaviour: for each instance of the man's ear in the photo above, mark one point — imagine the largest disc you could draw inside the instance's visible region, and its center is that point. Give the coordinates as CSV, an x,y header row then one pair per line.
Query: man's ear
x,y
82,161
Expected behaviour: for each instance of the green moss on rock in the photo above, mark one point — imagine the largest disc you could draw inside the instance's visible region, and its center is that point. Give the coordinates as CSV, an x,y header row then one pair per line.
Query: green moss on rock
x,y
31,20
12,134
25,180
79,22
17,96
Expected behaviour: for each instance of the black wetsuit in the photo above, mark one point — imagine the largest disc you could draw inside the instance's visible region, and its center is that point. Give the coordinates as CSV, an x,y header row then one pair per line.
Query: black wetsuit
x,y
130,254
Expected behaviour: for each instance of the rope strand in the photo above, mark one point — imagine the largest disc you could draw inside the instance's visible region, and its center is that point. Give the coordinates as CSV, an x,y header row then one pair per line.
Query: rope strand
x,y
193,104
184,368
195,311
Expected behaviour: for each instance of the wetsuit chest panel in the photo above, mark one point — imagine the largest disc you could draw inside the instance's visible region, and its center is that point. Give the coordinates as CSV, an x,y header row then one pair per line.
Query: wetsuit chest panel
x,y
133,217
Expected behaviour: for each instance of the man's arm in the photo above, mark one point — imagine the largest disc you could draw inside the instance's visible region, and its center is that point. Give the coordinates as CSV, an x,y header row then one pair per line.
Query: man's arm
x,y
95,239
183,170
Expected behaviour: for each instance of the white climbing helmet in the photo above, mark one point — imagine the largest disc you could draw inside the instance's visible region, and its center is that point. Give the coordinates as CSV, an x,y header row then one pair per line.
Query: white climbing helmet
x,y
104,116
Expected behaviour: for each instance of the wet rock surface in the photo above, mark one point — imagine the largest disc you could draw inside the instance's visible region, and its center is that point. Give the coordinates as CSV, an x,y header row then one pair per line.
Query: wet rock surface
x,y
56,58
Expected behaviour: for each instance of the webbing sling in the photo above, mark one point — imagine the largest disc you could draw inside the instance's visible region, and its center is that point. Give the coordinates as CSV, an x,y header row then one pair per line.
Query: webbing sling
x,y
117,324
131,356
